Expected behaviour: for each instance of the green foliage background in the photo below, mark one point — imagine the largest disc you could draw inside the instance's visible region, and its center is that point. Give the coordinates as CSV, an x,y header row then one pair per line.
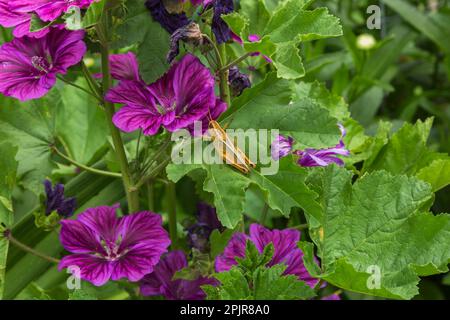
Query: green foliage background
x,y
393,98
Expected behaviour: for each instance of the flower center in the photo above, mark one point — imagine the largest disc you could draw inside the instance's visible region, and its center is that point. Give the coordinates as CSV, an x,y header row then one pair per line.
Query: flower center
x,y
112,250
41,64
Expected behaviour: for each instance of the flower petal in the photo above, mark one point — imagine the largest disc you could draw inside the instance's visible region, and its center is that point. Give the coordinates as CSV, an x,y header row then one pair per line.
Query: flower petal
x,y
234,249
78,238
93,269
103,222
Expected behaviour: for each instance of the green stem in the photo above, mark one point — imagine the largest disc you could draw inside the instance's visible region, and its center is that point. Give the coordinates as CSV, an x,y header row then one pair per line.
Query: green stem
x,y
223,77
7,234
131,191
154,173
265,211
236,62
79,87
171,206
150,196
90,79
87,168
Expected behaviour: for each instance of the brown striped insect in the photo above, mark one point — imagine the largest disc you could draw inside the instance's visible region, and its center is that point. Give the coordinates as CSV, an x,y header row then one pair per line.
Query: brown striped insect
x,y
228,150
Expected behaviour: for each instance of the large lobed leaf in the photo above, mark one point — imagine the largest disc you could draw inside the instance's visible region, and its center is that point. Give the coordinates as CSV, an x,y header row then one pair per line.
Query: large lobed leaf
x,y
378,224
281,30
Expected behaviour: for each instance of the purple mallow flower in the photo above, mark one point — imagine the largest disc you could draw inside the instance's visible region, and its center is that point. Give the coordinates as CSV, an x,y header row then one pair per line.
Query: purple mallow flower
x,y
183,95
28,66
55,200
19,21
285,251
281,147
207,222
238,81
169,21
161,282
47,10
105,247
323,157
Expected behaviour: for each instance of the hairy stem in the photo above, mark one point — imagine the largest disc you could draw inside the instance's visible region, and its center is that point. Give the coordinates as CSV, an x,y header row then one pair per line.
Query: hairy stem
x,y
131,191
7,234
86,168
171,205
236,62
79,87
223,77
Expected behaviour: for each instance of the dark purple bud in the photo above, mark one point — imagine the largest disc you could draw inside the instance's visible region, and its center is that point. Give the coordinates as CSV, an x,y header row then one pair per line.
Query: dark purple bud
x,y
219,26
207,222
55,200
169,21
190,34
238,81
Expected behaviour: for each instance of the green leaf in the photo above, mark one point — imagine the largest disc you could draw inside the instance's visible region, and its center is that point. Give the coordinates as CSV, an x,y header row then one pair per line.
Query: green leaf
x,y
80,125
250,279
219,241
81,294
37,24
288,24
93,14
288,62
437,174
257,13
8,168
134,26
407,152
282,191
271,284
282,31
233,286
377,228
269,106
152,52
30,127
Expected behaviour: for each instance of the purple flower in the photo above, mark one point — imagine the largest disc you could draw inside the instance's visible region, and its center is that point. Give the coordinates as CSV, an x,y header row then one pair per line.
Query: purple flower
x,y
124,66
106,247
281,147
207,222
28,66
219,26
323,157
55,200
47,10
161,282
285,251
169,21
331,297
238,81
19,21
185,94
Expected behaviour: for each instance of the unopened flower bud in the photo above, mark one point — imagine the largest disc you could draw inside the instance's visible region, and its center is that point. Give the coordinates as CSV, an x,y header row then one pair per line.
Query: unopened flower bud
x,y
238,81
